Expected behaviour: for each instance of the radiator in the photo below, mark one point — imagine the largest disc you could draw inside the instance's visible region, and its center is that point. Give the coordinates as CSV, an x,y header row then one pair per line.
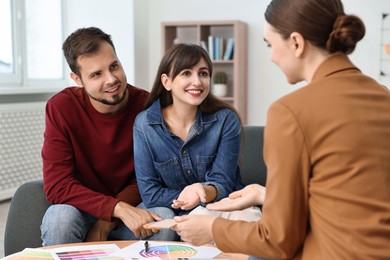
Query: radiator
x,y
21,138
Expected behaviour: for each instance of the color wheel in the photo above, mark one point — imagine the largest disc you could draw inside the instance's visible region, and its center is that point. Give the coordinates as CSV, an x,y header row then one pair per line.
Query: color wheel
x,y
169,252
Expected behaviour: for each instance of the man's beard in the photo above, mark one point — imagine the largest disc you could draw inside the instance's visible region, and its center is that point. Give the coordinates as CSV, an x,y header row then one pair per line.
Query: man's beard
x,y
114,102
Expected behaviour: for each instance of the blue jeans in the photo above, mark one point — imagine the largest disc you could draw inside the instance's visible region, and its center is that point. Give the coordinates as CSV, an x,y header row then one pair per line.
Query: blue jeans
x,y
64,224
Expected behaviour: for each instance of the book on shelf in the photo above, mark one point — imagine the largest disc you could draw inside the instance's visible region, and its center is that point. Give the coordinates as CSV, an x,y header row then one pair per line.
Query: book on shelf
x,y
211,46
221,48
204,45
229,49
217,42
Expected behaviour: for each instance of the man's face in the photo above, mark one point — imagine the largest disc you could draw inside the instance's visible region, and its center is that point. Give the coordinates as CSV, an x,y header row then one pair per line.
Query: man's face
x,y
103,78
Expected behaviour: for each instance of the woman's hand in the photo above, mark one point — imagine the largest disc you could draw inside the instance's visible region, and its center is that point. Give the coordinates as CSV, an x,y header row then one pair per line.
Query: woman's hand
x,y
251,195
190,197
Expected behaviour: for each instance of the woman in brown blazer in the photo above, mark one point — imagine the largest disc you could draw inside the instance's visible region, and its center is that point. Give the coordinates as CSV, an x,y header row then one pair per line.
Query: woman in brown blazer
x,y
326,147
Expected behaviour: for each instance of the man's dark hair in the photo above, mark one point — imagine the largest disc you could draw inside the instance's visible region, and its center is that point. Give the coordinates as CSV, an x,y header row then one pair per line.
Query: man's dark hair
x,y
83,42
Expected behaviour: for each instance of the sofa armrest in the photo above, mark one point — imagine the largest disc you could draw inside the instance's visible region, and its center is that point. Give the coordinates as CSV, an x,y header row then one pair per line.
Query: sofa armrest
x,y
28,205
252,166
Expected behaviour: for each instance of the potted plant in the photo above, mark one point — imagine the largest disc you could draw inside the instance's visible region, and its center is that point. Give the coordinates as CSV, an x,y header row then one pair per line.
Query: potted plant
x,y
219,87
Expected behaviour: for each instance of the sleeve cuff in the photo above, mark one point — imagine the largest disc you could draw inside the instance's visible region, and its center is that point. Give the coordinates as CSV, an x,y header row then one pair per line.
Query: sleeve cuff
x,y
221,192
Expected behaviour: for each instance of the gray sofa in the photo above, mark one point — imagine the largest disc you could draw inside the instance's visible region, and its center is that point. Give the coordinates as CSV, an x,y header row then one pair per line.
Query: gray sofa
x,y
29,203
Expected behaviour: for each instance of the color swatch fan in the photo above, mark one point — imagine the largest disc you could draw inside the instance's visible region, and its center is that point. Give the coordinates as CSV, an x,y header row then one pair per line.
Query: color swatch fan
x,y
169,252
166,250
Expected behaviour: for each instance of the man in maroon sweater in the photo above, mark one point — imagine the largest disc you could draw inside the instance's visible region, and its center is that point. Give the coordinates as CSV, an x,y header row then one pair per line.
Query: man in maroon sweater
x,y
88,166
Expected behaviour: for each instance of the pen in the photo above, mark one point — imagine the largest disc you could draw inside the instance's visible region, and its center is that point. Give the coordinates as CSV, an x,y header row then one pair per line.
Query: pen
x,y
146,246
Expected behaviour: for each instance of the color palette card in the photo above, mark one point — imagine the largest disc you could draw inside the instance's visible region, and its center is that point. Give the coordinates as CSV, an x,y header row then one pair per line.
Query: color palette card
x,y
102,251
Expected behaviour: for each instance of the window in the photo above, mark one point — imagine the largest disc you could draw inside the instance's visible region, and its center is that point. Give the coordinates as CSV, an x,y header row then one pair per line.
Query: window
x,y
30,49
6,50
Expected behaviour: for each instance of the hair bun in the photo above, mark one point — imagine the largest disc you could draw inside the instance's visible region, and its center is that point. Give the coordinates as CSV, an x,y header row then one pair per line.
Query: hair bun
x,y
347,31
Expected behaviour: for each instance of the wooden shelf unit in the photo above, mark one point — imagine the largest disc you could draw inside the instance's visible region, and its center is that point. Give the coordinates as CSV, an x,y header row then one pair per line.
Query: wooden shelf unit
x,y
196,31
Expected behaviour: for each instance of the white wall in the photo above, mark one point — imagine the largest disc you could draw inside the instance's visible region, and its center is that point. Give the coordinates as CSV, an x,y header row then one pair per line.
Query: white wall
x,y
265,82
114,17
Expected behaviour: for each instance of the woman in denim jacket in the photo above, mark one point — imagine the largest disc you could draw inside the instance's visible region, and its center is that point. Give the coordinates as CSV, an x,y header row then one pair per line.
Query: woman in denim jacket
x,y
186,142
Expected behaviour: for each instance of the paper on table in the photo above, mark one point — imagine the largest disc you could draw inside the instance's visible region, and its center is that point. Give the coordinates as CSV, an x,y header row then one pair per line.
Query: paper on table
x,y
31,253
166,223
167,250
85,252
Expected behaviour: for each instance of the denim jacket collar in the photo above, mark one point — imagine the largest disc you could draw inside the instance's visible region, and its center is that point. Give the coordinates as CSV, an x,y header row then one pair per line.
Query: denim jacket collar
x,y
154,117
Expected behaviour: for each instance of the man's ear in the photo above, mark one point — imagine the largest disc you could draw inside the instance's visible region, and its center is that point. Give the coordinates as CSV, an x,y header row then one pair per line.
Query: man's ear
x,y
76,79
298,43
166,82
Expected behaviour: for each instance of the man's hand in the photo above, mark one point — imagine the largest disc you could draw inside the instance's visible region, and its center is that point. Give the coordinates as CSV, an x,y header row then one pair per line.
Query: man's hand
x,y
195,229
251,195
101,230
190,197
134,218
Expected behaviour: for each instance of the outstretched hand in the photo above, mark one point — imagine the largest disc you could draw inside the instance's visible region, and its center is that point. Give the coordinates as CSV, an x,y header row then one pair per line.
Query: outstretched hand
x,y
251,195
190,197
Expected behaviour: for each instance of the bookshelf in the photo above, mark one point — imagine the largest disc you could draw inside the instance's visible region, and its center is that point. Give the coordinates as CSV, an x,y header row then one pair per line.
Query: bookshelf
x,y
235,67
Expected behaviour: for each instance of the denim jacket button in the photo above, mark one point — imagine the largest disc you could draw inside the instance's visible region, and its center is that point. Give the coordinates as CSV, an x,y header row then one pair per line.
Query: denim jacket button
x,y
189,171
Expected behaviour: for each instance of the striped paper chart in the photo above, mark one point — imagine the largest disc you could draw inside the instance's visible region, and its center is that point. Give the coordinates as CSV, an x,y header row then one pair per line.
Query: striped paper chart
x,y
86,252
